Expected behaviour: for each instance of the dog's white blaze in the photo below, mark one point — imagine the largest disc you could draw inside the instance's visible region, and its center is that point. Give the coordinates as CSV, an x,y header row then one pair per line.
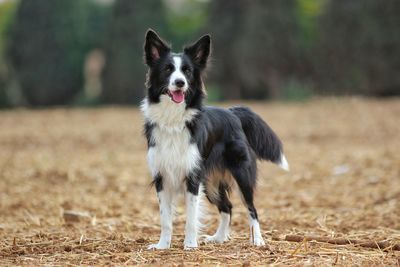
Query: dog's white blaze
x,y
165,199
284,163
255,233
177,74
192,213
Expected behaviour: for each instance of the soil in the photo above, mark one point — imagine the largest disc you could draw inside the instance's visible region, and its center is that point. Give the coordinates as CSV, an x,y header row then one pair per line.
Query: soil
x,y
75,189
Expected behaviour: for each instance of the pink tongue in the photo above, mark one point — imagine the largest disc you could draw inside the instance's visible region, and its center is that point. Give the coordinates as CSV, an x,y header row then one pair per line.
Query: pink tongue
x,y
177,96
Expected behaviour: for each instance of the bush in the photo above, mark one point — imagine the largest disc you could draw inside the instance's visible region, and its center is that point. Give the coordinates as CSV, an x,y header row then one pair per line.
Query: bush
x,y
47,50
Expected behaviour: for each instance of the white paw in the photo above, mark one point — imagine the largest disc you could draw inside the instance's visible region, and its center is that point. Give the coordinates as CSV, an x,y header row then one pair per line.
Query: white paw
x,y
257,241
190,244
215,239
159,245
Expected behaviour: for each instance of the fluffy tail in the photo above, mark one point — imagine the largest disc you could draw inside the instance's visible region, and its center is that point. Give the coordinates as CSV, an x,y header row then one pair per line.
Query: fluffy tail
x,y
261,137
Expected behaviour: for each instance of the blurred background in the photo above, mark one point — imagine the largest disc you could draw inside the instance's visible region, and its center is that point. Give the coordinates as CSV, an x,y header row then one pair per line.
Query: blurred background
x,y
89,52
90,162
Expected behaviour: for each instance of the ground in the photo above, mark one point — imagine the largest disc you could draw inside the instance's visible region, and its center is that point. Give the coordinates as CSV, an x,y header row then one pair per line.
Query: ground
x,y
344,182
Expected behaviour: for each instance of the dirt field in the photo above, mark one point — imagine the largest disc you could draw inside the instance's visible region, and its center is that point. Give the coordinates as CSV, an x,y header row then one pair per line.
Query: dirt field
x,y
344,182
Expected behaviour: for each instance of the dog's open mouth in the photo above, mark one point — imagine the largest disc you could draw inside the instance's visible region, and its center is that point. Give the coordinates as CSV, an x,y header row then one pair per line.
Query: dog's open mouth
x,y
177,96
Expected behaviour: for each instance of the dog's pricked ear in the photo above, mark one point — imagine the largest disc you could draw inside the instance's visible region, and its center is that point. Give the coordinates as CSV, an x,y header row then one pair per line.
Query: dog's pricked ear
x,y
154,47
199,51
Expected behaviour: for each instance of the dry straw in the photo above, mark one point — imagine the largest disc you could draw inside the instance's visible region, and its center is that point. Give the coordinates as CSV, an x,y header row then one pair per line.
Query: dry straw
x,y
75,190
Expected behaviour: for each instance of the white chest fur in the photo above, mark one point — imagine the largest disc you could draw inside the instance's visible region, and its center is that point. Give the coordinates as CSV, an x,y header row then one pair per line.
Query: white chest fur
x,y
173,156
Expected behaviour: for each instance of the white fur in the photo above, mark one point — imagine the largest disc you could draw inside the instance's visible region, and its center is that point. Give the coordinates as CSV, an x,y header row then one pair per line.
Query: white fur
x,y
192,213
222,233
284,163
177,74
174,157
255,233
165,199
168,115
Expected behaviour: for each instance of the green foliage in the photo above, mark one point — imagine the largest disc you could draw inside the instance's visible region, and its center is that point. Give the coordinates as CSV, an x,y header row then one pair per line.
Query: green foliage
x,y
7,11
98,19
341,46
83,100
213,93
308,12
186,21
226,30
47,49
261,49
124,75
361,44
295,90
257,45
48,45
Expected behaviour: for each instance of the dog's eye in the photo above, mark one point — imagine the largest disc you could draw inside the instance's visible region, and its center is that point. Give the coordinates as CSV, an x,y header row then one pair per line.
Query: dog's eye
x,y
186,69
169,68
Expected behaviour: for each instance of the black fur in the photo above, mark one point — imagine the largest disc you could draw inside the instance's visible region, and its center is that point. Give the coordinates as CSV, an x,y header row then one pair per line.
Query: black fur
x,y
199,51
229,140
157,181
148,129
193,182
222,202
261,137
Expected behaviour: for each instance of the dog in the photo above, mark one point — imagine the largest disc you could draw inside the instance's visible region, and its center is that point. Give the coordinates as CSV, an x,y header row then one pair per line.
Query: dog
x,y
196,149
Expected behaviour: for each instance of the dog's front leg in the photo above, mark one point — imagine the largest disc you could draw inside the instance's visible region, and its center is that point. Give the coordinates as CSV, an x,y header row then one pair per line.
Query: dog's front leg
x,y
166,203
192,212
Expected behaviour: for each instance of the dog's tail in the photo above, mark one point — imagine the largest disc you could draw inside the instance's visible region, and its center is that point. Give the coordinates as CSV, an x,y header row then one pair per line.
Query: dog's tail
x,y
261,137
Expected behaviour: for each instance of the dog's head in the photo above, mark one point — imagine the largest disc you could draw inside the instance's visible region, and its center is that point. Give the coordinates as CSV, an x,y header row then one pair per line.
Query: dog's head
x,y
176,75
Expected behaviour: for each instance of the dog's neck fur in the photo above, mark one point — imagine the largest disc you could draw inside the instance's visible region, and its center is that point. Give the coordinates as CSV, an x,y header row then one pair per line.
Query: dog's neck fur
x,y
166,114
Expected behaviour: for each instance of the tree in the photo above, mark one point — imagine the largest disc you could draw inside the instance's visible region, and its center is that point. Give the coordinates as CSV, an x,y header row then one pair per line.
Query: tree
x,y
124,74
381,41
7,11
47,49
269,45
359,48
255,43
226,25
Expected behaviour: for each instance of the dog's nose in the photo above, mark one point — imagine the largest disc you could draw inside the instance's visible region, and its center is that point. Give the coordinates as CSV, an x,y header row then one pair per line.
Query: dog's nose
x,y
179,83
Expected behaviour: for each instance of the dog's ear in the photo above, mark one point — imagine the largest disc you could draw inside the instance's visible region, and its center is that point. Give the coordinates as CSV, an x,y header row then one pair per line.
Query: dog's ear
x,y
154,47
199,51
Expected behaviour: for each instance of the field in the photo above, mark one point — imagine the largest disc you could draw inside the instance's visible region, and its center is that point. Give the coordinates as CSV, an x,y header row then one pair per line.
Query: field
x,y
344,183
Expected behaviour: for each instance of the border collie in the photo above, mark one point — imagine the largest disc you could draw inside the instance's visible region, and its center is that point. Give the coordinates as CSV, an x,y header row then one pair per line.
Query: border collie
x,y
194,148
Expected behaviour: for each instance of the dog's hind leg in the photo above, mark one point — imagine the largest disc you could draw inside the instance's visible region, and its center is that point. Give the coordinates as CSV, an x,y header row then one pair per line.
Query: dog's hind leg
x,y
243,167
247,190
221,200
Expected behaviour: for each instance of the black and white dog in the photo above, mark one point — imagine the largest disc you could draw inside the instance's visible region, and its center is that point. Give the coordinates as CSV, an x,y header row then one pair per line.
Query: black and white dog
x,y
194,148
